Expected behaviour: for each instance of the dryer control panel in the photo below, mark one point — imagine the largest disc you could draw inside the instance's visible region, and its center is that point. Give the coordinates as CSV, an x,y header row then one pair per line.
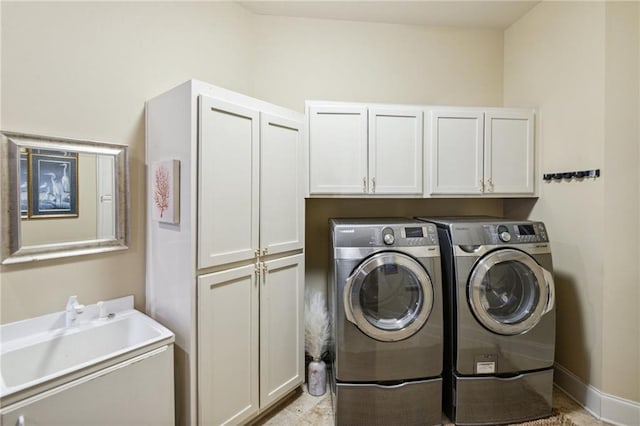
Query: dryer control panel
x,y
425,234
514,233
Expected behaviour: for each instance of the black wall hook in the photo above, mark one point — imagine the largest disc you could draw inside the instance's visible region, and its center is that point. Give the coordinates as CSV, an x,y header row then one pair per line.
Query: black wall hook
x,y
581,174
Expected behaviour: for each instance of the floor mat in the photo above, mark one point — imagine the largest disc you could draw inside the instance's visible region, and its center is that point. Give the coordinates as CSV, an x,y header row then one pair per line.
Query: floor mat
x,y
556,419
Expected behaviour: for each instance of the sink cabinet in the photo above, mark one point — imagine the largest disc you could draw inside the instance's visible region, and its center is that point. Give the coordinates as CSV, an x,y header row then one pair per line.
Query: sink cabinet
x,y
134,392
475,151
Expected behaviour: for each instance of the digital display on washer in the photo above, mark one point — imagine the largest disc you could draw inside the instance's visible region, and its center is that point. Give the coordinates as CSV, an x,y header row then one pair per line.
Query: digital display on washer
x,y
526,230
414,232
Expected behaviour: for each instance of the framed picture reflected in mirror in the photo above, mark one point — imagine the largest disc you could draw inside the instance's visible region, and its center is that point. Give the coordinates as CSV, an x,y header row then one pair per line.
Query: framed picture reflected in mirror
x,y
53,184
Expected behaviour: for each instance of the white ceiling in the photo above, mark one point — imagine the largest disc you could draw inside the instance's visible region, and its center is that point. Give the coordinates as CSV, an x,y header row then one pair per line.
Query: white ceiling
x,y
467,14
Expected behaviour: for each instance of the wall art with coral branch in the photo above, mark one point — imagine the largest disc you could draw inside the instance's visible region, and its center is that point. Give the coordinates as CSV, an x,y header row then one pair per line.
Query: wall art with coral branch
x,y
165,191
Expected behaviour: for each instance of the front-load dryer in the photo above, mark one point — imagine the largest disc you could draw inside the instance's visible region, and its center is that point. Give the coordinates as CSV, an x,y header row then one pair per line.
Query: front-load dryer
x,y
386,319
499,320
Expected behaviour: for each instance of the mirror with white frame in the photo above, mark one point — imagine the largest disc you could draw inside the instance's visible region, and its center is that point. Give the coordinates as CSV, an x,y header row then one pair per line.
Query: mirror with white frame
x,y
62,197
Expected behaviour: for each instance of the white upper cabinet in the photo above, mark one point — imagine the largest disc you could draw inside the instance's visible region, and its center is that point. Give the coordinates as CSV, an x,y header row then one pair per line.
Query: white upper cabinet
x,y
395,151
477,151
364,150
337,149
456,137
509,152
228,182
388,150
281,184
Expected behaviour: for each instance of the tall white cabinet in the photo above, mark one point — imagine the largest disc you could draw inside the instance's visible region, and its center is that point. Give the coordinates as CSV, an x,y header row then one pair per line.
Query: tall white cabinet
x,y
229,278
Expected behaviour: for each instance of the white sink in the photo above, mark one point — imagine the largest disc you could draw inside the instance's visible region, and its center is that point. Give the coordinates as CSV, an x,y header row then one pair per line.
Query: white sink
x,y
42,349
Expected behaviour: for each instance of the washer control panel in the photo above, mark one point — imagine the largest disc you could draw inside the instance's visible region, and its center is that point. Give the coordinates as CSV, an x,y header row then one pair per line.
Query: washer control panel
x,y
530,232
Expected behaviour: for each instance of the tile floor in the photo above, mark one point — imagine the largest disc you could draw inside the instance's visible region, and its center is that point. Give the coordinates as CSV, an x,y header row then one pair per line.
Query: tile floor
x,y
302,409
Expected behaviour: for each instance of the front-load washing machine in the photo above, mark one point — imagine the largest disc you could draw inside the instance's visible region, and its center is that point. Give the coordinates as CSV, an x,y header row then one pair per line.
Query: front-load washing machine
x,y
499,320
386,320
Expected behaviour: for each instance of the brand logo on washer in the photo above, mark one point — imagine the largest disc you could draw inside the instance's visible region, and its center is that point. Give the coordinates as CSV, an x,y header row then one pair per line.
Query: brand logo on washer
x,y
347,231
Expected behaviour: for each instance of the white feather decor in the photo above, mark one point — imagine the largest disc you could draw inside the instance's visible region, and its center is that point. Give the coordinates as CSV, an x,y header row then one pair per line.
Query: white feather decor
x,y
316,325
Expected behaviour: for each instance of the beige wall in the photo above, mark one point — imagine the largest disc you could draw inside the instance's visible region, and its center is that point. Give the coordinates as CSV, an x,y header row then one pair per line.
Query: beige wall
x,y
298,59
621,313
84,70
578,63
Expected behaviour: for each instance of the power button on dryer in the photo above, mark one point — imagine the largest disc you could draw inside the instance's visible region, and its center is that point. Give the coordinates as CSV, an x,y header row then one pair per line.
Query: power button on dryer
x,y
387,236
503,233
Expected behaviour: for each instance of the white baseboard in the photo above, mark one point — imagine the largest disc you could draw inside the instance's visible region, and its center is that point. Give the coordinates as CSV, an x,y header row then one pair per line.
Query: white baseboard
x,y
606,407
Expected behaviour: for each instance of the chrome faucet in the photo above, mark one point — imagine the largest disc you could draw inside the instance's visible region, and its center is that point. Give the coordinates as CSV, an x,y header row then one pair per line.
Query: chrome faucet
x,y
73,309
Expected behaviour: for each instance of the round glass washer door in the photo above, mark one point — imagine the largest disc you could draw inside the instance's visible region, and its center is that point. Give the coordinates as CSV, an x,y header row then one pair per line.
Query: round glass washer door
x,y
389,296
508,292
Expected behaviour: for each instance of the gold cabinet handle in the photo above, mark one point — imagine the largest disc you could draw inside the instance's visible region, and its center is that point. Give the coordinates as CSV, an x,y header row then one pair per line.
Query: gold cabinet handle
x,y
256,270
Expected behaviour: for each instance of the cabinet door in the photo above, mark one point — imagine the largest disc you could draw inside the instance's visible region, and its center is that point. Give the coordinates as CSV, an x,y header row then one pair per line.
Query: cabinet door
x,y
281,193
281,328
509,153
456,138
106,210
337,150
227,346
138,391
395,151
227,182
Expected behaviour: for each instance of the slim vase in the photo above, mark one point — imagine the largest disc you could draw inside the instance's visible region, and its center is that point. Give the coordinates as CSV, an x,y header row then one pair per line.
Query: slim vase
x,y
317,379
